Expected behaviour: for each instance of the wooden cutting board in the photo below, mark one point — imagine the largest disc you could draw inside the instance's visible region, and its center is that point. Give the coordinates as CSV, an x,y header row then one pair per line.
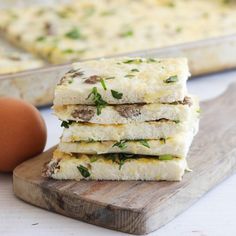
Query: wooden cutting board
x,y
141,207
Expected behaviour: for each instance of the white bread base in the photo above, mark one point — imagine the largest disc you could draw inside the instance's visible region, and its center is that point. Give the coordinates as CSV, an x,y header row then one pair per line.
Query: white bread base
x,y
65,167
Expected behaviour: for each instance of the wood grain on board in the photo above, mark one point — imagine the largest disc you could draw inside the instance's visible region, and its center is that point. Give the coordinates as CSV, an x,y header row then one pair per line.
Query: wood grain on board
x,y
141,207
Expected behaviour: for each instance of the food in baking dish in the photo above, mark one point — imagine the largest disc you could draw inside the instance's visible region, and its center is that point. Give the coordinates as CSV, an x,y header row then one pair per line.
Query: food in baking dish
x,y
12,62
89,29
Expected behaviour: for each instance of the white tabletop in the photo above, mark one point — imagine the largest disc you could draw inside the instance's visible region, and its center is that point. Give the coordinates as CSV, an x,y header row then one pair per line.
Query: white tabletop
x,y
213,215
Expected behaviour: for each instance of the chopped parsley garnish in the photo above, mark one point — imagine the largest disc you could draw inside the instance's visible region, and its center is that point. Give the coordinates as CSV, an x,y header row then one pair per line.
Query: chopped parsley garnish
x,y
93,159
66,124
74,34
144,142
97,99
121,144
64,13
150,60
40,38
120,158
116,94
134,70
226,1
133,61
129,76
102,81
122,162
127,33
170,4
179,29
69,50
166,157
171,79
176,121
107,78
83,171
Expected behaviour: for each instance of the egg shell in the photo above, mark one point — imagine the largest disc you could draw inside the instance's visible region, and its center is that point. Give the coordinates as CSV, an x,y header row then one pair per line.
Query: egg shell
x,y
23,132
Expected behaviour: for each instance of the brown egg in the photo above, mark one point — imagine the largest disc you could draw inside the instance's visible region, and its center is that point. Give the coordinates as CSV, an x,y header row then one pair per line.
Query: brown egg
x,y
22,133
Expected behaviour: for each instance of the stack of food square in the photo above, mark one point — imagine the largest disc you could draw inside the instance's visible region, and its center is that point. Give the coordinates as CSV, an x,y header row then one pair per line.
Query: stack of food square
x,y
124,119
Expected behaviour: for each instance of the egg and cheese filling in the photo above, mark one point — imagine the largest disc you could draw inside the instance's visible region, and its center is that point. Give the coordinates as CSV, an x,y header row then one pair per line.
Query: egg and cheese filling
x,y
132,131
128,113
177,145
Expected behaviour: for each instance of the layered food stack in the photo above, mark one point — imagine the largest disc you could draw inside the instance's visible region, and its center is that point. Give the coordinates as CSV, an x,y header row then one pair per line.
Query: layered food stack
x,y
124,119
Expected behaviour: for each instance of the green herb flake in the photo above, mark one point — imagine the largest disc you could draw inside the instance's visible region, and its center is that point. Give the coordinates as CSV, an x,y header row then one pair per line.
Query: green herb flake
x,y
83,171
40,39
108,78
226,1
144,142
102,81
171,79
122,158
170,4
93,159
165,157
150,60
66,124
98,100
116,94
179,29
63,14
127,33
74,34
176,121
122,162
121,144
68,51
134,70
129,76
133,61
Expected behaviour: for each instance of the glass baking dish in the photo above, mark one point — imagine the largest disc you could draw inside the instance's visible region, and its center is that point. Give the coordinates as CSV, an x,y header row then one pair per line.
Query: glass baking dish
x,y
37,86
